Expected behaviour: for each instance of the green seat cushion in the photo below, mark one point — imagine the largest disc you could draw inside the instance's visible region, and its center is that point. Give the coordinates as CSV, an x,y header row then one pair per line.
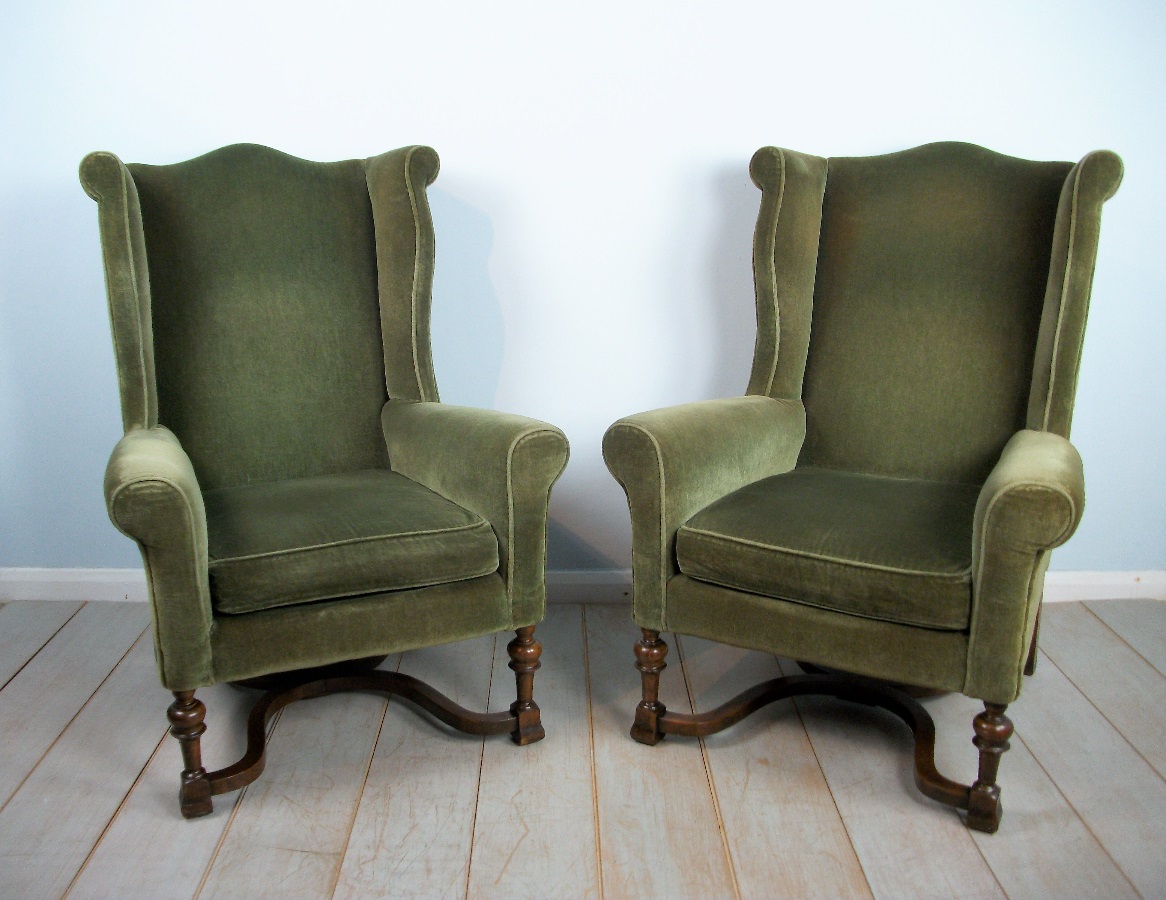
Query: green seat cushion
x,y
893,549
329,536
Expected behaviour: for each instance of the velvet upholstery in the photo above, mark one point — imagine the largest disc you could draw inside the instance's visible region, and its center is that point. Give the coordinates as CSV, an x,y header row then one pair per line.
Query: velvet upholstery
x,y
303,539
500,467
884,548
267,314
919,325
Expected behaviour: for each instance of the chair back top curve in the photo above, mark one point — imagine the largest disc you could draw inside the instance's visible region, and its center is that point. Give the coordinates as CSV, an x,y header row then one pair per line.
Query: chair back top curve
x,y
261,303
947,279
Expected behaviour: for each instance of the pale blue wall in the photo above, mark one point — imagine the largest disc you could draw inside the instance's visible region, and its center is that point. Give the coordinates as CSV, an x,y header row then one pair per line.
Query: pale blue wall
x,y
594,211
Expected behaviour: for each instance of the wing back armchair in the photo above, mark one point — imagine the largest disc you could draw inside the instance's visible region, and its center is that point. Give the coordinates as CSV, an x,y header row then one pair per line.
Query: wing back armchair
x,y
300,497
884,499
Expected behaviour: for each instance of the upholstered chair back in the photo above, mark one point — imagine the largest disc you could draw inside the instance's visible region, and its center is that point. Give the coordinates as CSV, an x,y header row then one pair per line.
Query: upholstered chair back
x,y
928,331
261,287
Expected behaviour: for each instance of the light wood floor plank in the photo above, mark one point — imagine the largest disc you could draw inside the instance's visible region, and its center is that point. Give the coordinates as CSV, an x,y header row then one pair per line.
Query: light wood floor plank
x,y
659,835
288,833
411,835
1085,814
1115,792
27,626
38,704
535,830
1043,849
53,822
170,854
909,846
772,793
1140,623
1131,692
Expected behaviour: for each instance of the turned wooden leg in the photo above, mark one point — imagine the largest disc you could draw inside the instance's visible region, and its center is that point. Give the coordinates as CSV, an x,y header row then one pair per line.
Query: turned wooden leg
x,y
185,715
993,729
524,653
650,653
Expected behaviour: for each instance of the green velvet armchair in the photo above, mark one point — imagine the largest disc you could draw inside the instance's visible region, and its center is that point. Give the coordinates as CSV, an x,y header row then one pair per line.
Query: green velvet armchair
x,y
884,499
300,497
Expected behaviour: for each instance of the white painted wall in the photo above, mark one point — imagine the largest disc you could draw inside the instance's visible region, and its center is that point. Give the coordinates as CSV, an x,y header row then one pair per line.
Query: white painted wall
x,y
594,212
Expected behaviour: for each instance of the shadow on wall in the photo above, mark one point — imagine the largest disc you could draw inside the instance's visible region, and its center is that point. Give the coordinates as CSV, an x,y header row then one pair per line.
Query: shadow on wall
x,y
60,413
713,325
468,332
567,551
469,338
731,311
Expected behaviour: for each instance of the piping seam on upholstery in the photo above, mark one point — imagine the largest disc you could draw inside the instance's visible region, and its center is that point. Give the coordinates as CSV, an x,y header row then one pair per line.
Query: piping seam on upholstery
x,y
1000,495
1019,679
330,595
950,629
977,578
141,338
416,269
662,519
348,541
771,244
191,524
518,439
1064,292
960,576
133,289
153,613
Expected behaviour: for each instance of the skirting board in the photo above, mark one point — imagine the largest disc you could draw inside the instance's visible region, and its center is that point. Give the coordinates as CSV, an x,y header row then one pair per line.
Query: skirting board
x,y
563,585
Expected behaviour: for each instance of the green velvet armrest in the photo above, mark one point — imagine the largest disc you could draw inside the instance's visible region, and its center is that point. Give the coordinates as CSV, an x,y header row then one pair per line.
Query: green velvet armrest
x,y
674,462
500,466
153,496
1031,503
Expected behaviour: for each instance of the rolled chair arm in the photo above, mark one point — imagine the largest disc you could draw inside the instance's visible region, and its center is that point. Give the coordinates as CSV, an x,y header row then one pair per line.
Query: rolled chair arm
x,y
1031,503
153,496
673,462
498,465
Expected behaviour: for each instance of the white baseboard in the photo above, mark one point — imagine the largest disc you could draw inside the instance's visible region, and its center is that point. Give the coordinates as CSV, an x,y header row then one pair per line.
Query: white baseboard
x,y
563,585
589,586
72,584
1148,584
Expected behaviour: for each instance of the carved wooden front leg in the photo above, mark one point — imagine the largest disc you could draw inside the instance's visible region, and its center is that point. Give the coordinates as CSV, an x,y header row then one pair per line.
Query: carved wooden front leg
x,y
650,653
993,729
186,715
524,653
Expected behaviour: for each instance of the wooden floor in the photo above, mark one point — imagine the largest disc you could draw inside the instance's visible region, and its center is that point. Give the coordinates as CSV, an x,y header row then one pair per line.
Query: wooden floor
x,y
367,798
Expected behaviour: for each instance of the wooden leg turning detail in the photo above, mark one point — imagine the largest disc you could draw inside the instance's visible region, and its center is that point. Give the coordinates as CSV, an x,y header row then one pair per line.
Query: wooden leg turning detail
x,y
650,653
186,715
524,653
993,729
981,800
522,721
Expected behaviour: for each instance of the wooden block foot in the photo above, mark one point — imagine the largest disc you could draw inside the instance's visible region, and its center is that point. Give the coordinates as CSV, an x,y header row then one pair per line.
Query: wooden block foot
x,y
194,797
